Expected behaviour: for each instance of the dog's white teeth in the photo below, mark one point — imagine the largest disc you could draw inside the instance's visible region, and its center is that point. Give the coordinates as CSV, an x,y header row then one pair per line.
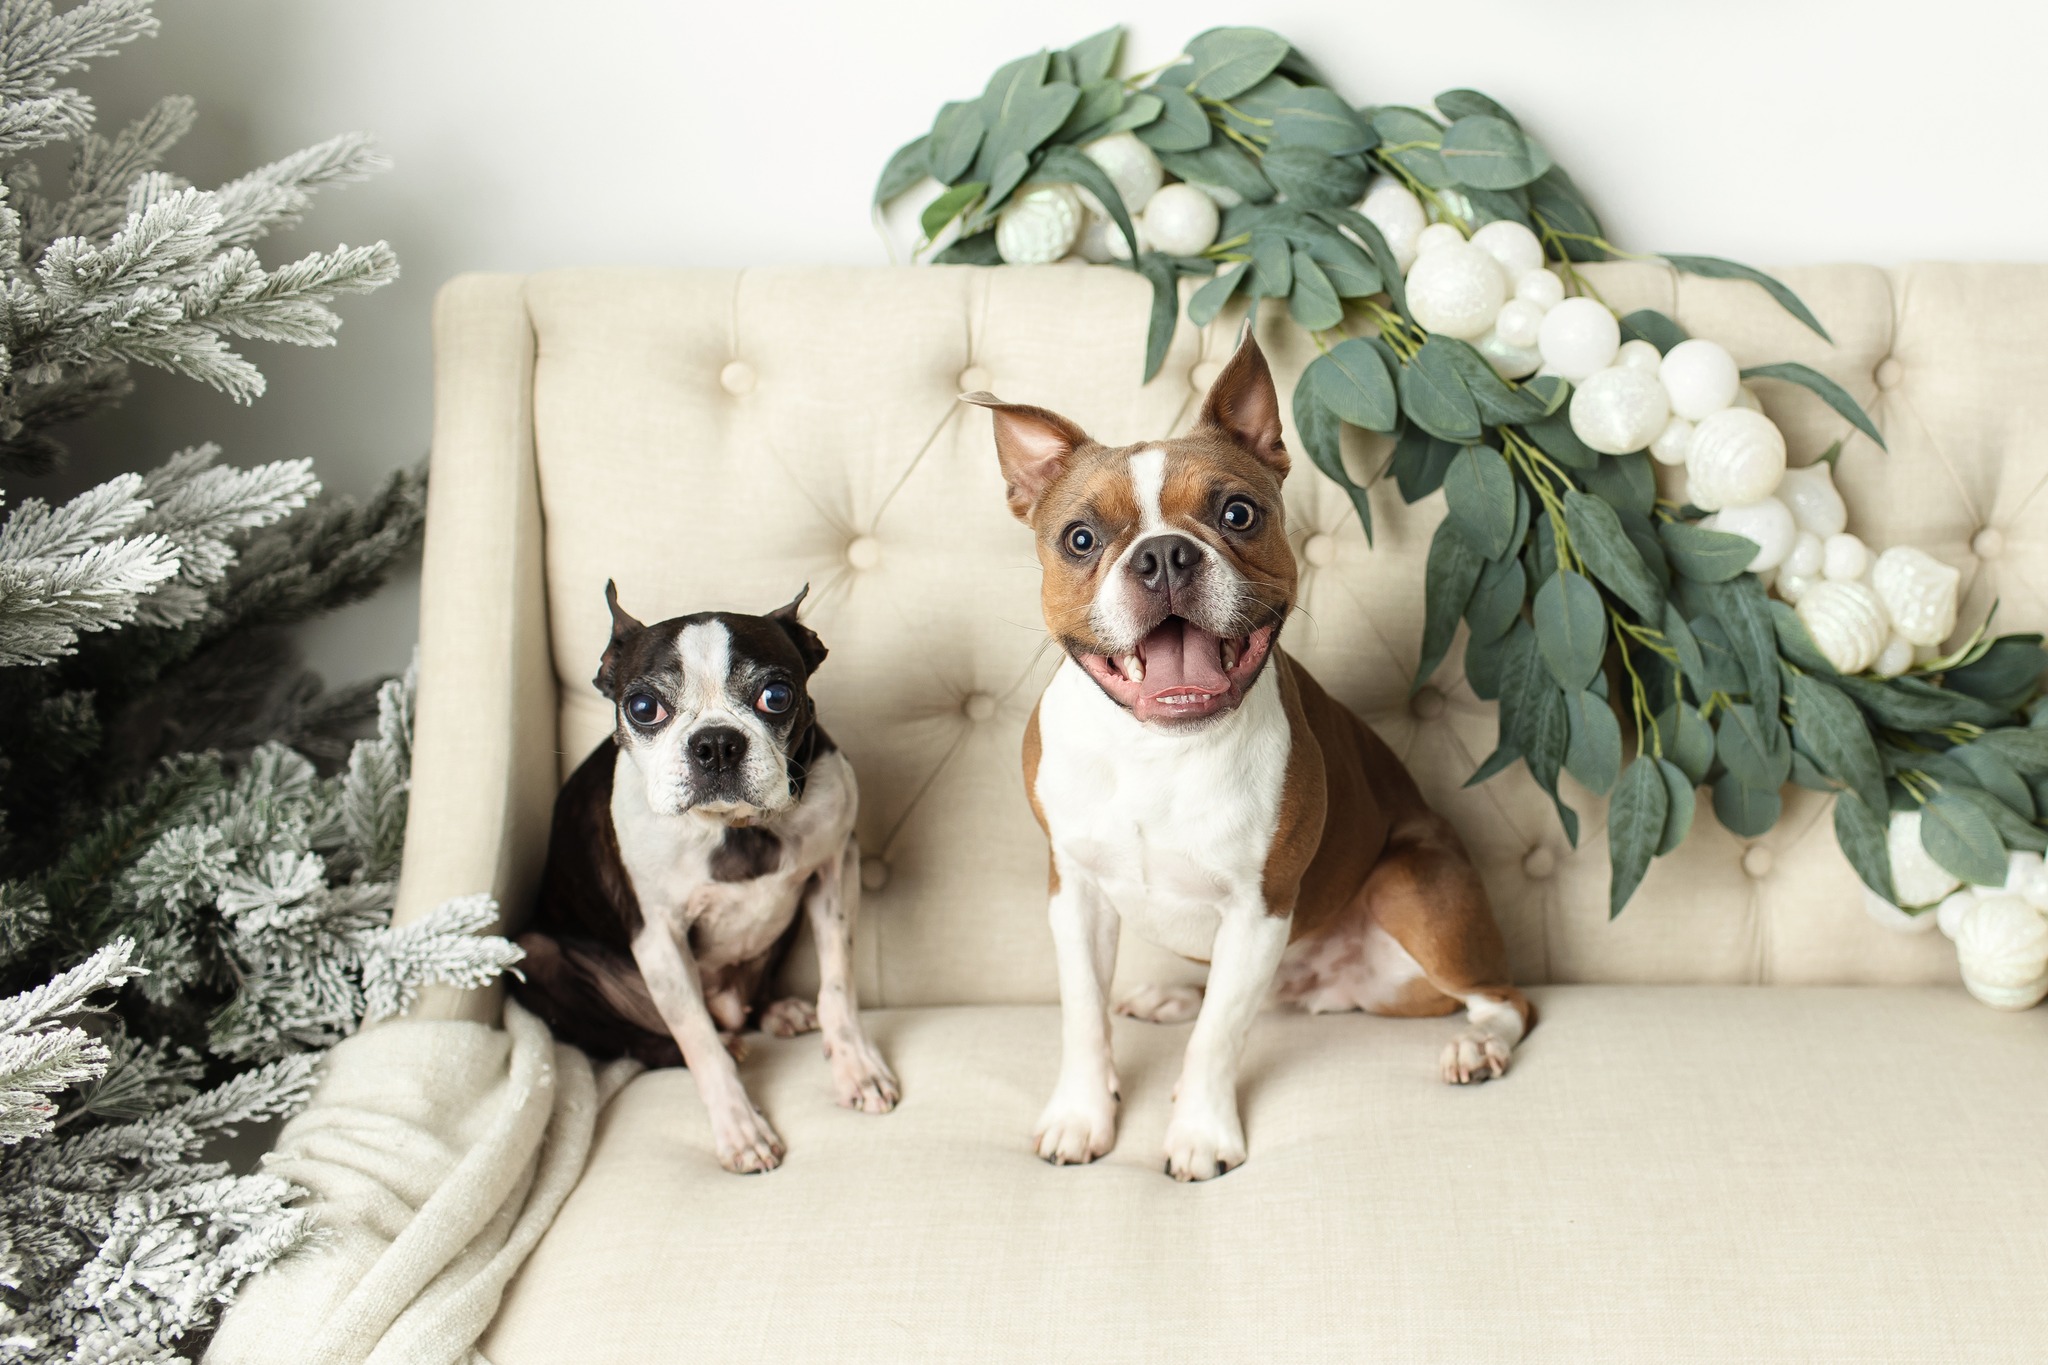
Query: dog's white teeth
x,y
1228,652
1133,667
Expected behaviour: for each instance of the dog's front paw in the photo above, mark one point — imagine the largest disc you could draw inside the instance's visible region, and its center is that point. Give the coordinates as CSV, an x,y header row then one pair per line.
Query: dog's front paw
x,y
860,1078
745,1144
788,1017
1074,1130
1474,1055
1203,1141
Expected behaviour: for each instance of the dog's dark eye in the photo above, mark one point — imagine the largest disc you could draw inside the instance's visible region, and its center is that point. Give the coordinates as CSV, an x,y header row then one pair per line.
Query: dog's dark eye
x,y
1239,515
1079,540
775,698
645,709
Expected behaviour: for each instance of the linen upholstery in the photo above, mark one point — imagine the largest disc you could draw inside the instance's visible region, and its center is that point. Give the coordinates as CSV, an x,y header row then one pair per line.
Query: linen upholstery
x,y
717,439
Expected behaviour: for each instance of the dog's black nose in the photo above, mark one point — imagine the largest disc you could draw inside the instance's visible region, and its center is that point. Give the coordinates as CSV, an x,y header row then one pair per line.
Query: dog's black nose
x,y
1165,563
718,749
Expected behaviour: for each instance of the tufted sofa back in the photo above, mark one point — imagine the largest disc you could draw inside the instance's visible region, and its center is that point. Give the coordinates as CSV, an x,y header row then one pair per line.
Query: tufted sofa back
x,y
717,439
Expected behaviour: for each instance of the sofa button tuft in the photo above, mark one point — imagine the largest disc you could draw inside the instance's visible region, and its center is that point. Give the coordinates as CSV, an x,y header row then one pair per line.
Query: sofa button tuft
x,y
864,552
1203,375
1539,864
975,379
1319,549
1988,543
1756,861
979,706
1890,372
1426,704
874,874
737,377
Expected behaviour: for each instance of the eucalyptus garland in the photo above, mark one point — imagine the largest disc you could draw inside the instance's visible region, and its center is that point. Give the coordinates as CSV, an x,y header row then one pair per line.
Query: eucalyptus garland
x,y
1625,642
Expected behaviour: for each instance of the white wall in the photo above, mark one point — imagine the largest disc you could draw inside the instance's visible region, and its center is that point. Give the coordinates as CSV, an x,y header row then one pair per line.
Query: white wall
x,y
530,135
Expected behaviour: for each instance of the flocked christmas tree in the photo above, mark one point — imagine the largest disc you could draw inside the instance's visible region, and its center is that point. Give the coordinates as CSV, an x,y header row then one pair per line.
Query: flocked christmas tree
x,y
196,867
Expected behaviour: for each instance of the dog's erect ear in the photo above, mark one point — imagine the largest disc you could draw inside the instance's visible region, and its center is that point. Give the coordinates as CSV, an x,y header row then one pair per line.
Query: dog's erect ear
x,y
1244,405
624,628
1033,445
802,636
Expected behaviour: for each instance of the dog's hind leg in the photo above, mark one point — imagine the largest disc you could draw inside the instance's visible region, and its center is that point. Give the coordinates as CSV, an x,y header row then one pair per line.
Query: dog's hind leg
x,y
593,997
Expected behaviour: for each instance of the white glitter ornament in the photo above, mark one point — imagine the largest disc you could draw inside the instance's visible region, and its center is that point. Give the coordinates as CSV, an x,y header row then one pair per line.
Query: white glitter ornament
x,y
1793,586
1736,457
1701,377
1455,288
1039,226
1808,551
1397,213
1541,288
1672,443
1511,244
1180,220
1916,878
2024,872
1845,559
1810,493
1849,627
1639,355
1919,591
2002,949
1619,410
1131,166
1768,523
1101,242
1745,397
1895,658
1518,323
1579,338
1436,237
1509,362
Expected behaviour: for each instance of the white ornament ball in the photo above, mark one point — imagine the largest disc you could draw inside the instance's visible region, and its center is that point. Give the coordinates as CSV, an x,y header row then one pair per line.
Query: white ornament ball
x,y
1736,457
1039,226
1509,362
1518,323
1398,214
1701,377
1639,355
1101,242
1180,220
1511,244
2021,867
1768,523
1672,442
1619,410
1579,338
1793,586
1919,591
1849,627
1745,397
1130,165
1808,553
1895,658
1541,288
1810,493
2002,949
1847,558
1891,917
1948,916
1437,237
1916,878
1455,288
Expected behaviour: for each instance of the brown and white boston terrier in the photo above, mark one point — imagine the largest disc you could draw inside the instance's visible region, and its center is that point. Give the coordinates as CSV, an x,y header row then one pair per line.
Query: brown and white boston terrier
x,y
1197,784
680,851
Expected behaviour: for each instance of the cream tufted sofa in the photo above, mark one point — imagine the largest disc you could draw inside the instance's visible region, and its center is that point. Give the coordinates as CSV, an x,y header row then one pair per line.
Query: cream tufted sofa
x,y
1683,1165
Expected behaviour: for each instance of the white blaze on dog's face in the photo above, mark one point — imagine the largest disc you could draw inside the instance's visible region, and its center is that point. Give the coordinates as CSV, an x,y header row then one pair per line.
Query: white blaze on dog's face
x,y
713,709
1167,568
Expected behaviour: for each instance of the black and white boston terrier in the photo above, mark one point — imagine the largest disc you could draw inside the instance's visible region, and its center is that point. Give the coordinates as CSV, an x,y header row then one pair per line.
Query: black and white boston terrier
x,y
680,851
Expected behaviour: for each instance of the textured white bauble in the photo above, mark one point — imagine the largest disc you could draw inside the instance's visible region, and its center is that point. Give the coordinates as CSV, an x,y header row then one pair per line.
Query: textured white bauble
x,y
1916,878
1040,225
1509,362
1846,558
1736,457
1895,658
1793,586
1672,442
1639,355
1619,410
1101,243
1948,916
1919,591
1849,627
1701,377
1398,214
1579,338
1513,245
1768,523
1810,492
1130,165
1518,324
1455,288
1541,288
1808,552
1438,237
1891,917
2002,948
1180,220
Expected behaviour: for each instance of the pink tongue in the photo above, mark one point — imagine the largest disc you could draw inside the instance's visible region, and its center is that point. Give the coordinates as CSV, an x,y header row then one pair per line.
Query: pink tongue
x,y
1181,654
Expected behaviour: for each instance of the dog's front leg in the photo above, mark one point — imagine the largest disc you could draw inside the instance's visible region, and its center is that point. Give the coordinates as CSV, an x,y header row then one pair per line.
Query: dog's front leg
x,y
860,1078
1079,1122
743,1140
1205,1137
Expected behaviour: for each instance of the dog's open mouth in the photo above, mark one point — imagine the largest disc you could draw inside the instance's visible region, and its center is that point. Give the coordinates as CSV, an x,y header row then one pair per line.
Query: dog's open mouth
x,y
1181,671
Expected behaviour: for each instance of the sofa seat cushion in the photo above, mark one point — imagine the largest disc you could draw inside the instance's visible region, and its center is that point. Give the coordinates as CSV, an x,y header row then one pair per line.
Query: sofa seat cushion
x,y
1669,1172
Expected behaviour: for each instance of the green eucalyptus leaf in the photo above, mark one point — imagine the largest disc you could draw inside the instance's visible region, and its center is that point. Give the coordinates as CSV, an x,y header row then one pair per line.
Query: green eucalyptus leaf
x,y
1100,102
1073,166
1806,773
1353,381
1959,835
1831,393
1594,753
1741,606
1994,774
1571,629
1479,489
1312,178
1208,301
1499,402
979,249
1317,116
1917,706
954,139
1796,643
1497,600
1491,153
1635,828
1647,324
1461,103
1313,301
910,164
1504,756
1705,556
1352,273
1414,141
1484,660
1140,110
1748,812
1714,268
1678,634
1749,745
1642,534
1272,265
2015,831
1678,787
1383,258
1434,396
1420,462
1860,830
1554,436
1686,739
2025,748
1094,57
1627,482
2006,673
1223,164
1611,556
1724,671
1009,174
1230,61
1322,436
1557,204
1451,574
949,206
1165,308
1181,125
1828,726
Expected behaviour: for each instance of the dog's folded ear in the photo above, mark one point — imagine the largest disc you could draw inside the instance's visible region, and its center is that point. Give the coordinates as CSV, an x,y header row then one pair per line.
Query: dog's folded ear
x,y
1244,405
1033,445
624,628
806,640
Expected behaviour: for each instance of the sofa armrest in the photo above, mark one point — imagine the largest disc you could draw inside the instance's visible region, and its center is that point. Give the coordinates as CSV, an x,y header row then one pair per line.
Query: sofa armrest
x,y
484,747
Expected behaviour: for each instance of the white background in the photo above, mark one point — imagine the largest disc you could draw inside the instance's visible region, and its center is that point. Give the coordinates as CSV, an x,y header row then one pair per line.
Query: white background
x,y
741,132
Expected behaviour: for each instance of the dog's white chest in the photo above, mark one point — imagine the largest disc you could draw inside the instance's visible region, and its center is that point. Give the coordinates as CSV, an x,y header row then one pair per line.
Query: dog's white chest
x,y
1171,827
